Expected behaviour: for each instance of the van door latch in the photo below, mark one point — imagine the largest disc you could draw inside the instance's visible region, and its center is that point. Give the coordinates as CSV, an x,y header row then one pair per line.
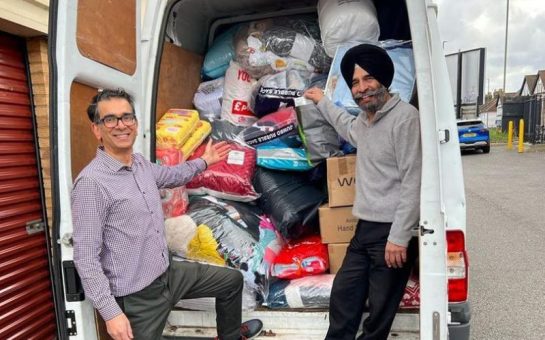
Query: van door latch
x,y
424,231
71,322
444,136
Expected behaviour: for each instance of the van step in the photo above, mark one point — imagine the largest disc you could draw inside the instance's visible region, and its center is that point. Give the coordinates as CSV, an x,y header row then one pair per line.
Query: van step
x,y
278,324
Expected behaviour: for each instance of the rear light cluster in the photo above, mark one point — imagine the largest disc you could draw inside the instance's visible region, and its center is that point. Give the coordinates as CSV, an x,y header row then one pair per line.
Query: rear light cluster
x,y
457,266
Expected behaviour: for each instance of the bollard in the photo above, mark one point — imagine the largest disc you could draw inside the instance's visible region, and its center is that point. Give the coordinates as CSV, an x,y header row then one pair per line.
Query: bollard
x,y
510,136
521,136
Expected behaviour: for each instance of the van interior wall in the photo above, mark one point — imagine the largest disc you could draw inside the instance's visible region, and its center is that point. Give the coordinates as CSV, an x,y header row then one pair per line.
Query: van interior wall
x,y
179,77
83,144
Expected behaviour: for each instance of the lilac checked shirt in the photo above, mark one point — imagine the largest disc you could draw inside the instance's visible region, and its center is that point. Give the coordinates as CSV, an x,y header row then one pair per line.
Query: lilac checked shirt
x,y
119,239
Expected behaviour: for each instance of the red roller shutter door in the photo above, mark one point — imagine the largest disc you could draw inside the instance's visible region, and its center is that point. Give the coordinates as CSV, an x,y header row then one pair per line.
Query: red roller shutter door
x,y
26,301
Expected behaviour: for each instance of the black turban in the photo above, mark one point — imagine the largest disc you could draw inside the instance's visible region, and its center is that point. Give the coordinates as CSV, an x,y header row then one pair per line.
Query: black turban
x,y
372,59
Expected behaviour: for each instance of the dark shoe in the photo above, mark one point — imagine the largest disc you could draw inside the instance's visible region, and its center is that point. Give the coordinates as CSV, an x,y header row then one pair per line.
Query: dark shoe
x,y
251,328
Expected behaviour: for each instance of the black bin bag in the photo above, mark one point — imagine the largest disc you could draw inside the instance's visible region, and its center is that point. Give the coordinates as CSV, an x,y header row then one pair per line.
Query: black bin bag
x,y
290,200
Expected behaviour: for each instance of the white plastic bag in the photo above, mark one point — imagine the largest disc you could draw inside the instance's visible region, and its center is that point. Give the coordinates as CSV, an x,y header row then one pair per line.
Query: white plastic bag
x,y
347,21
237,93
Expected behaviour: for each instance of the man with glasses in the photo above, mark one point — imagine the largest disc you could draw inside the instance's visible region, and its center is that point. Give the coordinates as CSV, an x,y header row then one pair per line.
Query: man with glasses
x,y
120,249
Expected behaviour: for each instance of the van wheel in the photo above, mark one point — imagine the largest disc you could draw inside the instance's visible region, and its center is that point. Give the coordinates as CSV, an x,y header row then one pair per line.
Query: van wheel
x,y
486,149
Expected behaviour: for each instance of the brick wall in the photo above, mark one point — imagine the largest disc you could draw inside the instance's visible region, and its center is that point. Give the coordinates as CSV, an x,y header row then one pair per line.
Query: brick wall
x,y
39,74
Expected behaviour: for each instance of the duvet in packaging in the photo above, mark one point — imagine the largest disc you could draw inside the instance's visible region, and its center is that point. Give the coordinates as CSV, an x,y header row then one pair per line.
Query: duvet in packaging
x,y
230,179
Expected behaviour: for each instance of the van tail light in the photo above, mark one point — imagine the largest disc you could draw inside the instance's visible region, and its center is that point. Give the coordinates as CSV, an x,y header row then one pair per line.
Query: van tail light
x,y
457,266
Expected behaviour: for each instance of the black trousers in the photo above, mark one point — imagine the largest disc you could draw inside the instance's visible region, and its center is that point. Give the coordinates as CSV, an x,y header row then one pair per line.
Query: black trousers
x,y
148,309
364,275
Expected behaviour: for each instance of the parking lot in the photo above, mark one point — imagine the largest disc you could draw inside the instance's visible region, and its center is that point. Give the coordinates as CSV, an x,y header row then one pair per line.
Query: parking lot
x,y
505,193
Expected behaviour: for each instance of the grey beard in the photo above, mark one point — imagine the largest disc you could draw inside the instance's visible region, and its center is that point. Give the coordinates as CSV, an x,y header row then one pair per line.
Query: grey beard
x,y
380,100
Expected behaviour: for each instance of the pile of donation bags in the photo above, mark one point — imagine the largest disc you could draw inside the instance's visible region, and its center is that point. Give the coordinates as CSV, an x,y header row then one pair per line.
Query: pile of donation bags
x,y
257,211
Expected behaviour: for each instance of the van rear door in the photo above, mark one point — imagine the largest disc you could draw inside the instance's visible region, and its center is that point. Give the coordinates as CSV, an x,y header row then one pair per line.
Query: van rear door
x,y
436,120
93,44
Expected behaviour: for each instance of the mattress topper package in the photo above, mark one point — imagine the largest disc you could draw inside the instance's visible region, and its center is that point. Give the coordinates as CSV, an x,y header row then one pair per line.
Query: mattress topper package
x,y
403,82
230,178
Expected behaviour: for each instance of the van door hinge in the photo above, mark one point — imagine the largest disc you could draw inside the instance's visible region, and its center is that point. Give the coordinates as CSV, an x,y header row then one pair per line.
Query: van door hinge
x,y
34,227
436,326
444,136
71,322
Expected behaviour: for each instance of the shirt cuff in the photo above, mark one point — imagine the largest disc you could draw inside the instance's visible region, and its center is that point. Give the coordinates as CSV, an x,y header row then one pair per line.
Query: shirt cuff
x,y
111,310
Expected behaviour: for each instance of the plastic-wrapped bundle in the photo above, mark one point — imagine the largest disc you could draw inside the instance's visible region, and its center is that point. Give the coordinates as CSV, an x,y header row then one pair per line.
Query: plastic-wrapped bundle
x,y
222,51
230,179
276,139
304,257
411,297
290,200
174,201
279,90
283,158
224,130
343,22
278,128
175,127
306,292
320,138
168,156
208,98
237,94
235,227
297,37
202,130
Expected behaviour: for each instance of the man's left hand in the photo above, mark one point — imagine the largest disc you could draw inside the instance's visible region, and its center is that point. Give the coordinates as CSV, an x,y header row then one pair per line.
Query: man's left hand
x,y
395,255
215,153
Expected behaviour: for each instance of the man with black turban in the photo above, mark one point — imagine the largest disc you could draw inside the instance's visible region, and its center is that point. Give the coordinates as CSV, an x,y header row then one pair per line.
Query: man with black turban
x,y
380,256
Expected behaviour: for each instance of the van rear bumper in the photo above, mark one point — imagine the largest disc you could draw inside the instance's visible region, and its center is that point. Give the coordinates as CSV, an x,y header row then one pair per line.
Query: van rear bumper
x,y
460,321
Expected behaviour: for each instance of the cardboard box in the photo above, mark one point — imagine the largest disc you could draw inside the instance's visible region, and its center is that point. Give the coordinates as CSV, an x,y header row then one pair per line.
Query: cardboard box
x,y
337,225
341,181
336,252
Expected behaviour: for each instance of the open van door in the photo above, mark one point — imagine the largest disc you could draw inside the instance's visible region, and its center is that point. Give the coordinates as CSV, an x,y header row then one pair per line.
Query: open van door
x,y
93,44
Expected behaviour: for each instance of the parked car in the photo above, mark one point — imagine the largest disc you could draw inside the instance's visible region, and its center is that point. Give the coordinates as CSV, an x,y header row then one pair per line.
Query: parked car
x,y
473,134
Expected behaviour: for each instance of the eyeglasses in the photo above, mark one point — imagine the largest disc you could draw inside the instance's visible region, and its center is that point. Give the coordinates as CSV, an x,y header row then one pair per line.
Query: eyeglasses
x,y
111,121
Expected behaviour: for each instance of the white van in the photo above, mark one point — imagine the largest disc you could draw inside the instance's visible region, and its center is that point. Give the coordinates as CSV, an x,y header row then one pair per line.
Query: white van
x,y
104,43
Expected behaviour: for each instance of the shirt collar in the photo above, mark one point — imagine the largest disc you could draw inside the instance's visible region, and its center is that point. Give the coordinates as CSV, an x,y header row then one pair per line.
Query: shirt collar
x,y
110,162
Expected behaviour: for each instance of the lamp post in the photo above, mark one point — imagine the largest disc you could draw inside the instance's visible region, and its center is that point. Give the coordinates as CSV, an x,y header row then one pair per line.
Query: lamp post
x,y
505,49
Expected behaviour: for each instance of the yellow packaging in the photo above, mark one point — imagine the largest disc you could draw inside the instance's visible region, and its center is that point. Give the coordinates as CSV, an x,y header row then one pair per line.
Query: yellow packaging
x,y
175,127
197,137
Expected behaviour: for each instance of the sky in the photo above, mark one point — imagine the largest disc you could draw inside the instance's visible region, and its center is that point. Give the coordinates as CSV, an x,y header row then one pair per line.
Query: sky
x,y
469,24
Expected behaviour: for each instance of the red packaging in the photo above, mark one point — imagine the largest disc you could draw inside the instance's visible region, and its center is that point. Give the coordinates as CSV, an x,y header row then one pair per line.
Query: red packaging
x,y
229,179
174,201
303,258
168,156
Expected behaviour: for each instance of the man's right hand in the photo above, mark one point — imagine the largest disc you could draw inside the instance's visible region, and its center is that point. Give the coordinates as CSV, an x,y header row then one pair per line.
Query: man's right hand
x,y
314,94
119,328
